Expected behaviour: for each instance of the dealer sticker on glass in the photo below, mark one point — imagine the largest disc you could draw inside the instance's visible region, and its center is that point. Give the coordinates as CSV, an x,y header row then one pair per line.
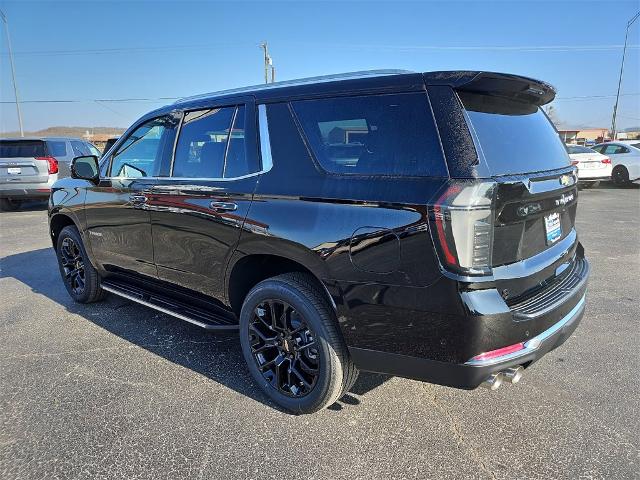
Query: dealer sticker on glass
x,y
552,227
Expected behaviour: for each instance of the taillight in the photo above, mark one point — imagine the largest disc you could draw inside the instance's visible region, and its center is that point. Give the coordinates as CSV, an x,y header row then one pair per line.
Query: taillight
x,y
462,227
574,162
516,347
52,164
606,160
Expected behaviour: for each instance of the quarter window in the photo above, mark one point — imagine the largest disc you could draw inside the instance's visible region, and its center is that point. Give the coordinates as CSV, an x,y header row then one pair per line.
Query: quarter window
x,y
373,135
143,153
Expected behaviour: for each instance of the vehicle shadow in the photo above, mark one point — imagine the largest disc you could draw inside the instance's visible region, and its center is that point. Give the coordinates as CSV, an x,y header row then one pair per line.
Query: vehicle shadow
x,y
216,356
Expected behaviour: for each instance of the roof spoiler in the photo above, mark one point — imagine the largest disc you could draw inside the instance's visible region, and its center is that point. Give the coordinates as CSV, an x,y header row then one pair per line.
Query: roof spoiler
x,y
516,87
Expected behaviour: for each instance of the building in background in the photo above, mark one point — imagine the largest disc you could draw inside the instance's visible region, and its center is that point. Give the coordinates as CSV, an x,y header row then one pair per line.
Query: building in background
x,y
584,136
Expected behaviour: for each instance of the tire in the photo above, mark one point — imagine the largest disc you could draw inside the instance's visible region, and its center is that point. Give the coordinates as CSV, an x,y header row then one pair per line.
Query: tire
x,y
83,285
305,346
9,204
620,175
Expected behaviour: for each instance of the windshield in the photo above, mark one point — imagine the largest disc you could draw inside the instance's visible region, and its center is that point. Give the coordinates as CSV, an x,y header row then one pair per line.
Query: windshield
x,y
579,149
515,137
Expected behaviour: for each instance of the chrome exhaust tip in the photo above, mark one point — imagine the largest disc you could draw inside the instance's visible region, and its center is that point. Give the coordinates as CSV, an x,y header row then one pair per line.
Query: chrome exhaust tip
x,y
493,381
513,374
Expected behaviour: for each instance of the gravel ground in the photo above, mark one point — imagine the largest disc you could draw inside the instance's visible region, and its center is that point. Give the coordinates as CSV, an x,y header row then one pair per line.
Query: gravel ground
x,y
115,390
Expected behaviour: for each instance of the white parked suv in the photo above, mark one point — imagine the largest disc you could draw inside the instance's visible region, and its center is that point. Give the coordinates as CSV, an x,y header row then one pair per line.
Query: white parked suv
x,y
625,158
592,166
29,166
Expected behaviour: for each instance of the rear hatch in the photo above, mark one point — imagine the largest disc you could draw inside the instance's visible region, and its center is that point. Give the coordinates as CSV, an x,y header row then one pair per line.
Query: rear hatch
x,y
535,196
24,161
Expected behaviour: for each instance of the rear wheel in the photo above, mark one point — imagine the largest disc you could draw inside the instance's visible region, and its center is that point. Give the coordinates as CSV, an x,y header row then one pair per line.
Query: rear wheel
x,y
9,204
292,344
80,278
620,175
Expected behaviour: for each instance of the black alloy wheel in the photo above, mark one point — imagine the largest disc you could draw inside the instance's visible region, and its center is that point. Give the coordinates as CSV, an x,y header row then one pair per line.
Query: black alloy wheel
x,y
620,175
80,278
292,344
283,347
73,265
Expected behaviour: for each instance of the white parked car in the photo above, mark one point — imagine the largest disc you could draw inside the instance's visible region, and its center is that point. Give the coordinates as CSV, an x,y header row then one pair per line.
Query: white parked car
x,y
625,159
592,166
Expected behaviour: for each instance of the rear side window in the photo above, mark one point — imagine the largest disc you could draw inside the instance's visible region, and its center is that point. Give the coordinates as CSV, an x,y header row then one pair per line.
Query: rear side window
x,y
212,145
615,150
57,148
373,135
22,148
515,137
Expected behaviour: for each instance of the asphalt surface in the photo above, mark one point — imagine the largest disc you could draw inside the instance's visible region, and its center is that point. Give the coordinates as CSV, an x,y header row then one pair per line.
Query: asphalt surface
x,y
115,390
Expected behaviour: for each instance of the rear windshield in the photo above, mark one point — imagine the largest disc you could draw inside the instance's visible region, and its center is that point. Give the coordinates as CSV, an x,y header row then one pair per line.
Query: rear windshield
x,y
579,149
22,148
515,137
373,135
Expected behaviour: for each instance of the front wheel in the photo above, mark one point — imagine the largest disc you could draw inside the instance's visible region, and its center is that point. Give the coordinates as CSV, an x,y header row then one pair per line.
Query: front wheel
x,y
80,278
620,175
292,344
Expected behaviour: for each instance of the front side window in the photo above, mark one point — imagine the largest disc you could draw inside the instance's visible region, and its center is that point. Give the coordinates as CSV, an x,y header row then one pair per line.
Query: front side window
x,y
615,150
373,135
142,153
79,148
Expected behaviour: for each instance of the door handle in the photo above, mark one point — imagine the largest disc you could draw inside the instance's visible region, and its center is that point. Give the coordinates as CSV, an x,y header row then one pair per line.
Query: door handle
x,y
137,199
223,206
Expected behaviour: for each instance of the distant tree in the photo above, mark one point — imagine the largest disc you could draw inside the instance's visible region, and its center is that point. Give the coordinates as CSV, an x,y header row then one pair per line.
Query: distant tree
x,y
552,113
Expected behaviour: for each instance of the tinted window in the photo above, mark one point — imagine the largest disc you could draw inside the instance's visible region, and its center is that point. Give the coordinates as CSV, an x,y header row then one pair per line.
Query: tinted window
x,y
142,153
202,143
57,148
515,137
79,148
93,150
599,148
238,163
635,145
615,150
373,135
22,148
578,149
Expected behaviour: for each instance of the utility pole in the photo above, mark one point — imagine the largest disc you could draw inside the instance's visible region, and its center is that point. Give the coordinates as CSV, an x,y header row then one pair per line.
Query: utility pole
x,y
624,51
13,70
268,64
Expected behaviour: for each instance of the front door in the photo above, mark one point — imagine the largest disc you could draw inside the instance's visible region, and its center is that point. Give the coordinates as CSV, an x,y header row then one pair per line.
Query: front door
x,y
118,222
197,214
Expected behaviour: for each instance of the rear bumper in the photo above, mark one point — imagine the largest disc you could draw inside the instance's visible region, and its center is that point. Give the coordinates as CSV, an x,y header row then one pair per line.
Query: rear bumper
x,y
27,190
542,320
470,374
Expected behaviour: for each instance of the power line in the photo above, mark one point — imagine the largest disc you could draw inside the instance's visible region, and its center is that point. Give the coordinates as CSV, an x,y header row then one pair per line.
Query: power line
x,y
163,99
517,48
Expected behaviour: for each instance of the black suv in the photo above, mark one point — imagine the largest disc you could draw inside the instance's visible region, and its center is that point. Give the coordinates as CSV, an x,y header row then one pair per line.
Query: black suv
x,y
413,224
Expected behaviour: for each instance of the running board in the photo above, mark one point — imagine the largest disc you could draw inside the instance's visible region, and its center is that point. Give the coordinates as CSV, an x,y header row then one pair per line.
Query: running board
x,y
199,316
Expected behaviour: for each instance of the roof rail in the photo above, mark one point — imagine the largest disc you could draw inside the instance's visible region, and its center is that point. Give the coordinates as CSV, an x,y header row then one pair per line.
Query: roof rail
x,y
299,81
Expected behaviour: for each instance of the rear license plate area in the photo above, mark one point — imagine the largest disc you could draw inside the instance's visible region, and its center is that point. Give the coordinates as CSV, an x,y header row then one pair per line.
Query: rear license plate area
x,y
14,170
552,227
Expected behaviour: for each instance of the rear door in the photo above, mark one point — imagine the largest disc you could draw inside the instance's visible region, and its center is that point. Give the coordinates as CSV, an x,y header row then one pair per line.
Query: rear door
x,y
117,215
197,214
23,161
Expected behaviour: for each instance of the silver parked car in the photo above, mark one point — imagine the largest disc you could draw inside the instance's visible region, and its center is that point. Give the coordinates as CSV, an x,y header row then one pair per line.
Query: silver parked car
x,y
29,166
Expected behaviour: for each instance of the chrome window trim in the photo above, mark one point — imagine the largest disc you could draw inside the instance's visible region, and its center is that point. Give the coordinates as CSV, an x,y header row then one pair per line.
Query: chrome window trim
x,y
265,141
533,344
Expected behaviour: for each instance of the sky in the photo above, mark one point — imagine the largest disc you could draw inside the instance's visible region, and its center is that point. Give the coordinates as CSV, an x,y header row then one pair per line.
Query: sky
x,y
99,55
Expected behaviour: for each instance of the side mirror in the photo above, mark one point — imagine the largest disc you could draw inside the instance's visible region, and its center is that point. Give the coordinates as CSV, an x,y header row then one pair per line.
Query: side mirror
x,y
85,168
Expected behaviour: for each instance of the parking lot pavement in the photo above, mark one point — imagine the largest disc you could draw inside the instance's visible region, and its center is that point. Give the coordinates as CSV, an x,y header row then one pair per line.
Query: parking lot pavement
x,y
115,390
